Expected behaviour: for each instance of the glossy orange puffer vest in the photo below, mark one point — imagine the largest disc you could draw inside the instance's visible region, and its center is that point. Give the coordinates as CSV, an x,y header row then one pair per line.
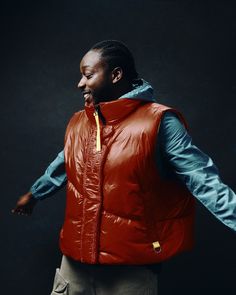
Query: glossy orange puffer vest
x,y
119,209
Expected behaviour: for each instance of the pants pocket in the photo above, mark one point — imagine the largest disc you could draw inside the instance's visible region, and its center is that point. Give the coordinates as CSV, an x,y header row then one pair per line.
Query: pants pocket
x,y
60,285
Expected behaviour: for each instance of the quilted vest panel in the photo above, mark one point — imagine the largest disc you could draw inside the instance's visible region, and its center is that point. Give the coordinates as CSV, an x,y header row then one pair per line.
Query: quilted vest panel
x,y
119,208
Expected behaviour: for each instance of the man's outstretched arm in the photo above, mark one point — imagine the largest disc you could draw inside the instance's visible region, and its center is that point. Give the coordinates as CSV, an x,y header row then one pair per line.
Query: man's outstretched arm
x,y
48,184
196,170
52,180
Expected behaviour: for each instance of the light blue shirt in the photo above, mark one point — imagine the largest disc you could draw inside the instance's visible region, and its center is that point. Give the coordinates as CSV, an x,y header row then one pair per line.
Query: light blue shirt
x,y
194,168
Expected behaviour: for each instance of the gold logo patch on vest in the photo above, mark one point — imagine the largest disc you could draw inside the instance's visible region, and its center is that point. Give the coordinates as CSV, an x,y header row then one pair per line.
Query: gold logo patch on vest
x,y
156,246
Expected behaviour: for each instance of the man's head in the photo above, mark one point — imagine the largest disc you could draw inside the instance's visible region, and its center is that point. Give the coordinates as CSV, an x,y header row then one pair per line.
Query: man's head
x,y
108,70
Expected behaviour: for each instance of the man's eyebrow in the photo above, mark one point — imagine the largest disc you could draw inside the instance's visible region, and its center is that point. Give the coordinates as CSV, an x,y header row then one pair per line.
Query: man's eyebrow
x,y
84,67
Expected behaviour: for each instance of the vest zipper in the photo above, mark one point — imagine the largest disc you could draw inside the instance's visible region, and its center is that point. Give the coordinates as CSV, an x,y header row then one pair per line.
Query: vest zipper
x,y
98,138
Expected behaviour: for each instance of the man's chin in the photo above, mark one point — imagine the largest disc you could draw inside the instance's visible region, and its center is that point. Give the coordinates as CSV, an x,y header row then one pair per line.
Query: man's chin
x,y
89,102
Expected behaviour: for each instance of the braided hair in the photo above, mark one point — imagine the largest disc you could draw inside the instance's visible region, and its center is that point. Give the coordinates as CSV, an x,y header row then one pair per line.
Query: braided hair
x,y
117,54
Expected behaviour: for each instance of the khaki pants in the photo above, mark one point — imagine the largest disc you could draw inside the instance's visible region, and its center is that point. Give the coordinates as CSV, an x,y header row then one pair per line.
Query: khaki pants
x,y
75,278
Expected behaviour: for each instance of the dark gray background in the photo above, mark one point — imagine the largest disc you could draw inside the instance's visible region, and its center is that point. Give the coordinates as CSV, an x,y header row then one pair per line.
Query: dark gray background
x,y
185,49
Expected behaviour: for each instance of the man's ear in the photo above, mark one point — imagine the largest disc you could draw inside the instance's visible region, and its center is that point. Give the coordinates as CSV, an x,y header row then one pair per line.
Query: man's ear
x,y
117,75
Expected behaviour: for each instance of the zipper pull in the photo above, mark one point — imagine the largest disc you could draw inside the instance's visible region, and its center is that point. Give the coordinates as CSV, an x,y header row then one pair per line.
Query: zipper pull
x,y
98,138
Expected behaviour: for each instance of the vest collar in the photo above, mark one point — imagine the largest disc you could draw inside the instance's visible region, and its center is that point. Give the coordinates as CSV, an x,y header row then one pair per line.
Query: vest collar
x,y
113,111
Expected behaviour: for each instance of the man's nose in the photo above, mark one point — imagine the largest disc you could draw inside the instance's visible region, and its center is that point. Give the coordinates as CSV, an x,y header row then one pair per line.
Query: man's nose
x,y
81,83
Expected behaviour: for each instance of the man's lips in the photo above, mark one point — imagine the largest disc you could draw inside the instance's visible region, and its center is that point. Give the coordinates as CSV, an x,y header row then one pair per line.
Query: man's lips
x,y
88,97
86,94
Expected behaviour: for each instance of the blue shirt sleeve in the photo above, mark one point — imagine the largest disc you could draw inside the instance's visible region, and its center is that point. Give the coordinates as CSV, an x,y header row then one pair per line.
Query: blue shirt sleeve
x,y
196,170
52,180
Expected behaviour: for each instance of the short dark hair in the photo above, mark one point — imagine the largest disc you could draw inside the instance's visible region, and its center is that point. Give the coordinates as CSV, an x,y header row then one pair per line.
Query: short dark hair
x,y
117,54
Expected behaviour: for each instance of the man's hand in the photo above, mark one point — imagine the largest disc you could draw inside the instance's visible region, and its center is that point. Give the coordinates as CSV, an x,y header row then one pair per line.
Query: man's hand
x,y
25,205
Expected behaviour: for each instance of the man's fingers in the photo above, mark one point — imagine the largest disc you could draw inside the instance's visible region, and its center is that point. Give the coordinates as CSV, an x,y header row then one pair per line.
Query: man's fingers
x,y
25,205
15,210
21,211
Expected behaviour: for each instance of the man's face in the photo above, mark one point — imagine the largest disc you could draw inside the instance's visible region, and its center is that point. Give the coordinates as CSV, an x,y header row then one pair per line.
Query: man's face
x,y
96,81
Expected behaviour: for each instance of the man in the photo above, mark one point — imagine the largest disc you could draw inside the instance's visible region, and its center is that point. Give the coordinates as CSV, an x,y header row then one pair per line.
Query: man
x,y
132,173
